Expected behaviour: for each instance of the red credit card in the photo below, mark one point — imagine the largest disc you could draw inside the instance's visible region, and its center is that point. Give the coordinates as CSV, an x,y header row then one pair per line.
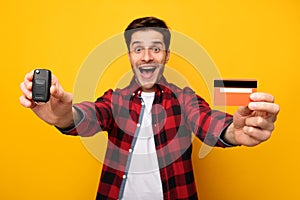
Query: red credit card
x,y
233,92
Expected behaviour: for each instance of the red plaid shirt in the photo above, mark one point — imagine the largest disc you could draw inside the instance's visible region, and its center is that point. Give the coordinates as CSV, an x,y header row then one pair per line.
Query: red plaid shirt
x,y
176,113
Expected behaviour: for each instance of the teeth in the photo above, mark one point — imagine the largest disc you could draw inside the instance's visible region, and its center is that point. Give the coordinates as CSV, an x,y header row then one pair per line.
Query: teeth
x,y
147,69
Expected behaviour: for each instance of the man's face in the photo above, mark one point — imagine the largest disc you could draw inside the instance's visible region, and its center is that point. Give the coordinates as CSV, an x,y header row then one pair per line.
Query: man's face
x,y
148,56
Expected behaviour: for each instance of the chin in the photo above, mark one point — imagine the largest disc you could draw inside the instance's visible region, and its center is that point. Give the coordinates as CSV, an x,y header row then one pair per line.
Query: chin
x,y
148,86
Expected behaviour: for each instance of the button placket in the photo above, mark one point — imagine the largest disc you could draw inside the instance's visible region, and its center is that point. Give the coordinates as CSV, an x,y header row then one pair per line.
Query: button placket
x,y
130,150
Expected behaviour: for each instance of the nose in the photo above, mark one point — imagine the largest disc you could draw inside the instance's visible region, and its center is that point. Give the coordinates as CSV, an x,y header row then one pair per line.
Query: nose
x,y
147,56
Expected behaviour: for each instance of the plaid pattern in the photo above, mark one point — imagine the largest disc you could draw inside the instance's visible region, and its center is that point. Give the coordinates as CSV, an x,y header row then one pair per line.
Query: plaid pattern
x,y
176,113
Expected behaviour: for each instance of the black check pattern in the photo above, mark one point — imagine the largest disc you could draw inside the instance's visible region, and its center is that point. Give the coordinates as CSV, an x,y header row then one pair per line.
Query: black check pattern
x,y
176,114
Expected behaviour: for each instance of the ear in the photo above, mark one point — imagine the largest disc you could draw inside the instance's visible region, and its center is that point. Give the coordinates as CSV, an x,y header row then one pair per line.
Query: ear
x,y
167,56
128,55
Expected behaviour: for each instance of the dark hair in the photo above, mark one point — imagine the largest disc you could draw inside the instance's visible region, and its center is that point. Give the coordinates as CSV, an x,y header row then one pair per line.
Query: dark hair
x,y
147,23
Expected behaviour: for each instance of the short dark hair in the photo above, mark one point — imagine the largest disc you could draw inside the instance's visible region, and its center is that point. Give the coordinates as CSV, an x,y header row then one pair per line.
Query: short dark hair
x,y
148,23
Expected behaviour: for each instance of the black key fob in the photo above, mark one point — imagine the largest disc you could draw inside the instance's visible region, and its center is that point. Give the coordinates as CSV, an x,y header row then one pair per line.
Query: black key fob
x,y
41,85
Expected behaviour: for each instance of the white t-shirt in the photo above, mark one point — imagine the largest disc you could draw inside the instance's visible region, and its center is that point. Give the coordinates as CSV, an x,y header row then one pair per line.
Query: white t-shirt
x,y
143,178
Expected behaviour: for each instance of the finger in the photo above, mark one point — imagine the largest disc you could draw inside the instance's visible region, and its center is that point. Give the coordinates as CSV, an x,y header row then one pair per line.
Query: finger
x,y
260,122
27,93
244,111
28,85
270,108
29,76
26,102
261,96
257,134
247,140
28,80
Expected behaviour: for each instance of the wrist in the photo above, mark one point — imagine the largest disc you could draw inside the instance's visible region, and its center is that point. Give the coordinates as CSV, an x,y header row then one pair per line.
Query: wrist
x,y
228,135
68,121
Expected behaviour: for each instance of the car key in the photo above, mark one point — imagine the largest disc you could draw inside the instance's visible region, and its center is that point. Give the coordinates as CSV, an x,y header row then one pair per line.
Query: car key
x,y
41,85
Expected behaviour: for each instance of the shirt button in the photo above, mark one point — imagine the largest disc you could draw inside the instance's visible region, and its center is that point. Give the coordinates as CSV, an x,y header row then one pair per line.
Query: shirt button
x,y
124,176
130,150
138,125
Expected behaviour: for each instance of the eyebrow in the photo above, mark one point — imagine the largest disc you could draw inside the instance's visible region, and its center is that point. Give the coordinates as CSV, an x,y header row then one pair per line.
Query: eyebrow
x,y
153,42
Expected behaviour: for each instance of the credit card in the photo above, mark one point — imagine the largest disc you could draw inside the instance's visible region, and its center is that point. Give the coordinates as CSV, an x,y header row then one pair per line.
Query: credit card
x,y
233,92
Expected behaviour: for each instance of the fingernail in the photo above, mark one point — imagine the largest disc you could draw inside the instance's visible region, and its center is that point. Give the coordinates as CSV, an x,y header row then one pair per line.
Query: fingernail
x,y
253,96
252,105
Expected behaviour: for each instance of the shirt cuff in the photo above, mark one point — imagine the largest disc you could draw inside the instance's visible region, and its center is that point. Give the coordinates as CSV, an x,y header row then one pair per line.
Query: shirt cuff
x,y
82,117
222,140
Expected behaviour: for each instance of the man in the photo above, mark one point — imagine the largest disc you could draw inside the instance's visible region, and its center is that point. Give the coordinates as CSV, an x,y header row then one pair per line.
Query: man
x,y
149,123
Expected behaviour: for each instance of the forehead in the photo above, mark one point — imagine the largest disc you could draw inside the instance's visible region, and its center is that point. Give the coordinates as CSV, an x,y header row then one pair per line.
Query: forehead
x,y
146,37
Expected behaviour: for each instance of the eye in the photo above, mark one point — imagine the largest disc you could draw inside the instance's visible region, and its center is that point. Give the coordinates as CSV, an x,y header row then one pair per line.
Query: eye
x,y
138,49
156,49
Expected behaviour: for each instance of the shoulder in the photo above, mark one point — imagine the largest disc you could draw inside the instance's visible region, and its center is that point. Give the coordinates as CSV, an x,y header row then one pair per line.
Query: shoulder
x,y
187,95
178,91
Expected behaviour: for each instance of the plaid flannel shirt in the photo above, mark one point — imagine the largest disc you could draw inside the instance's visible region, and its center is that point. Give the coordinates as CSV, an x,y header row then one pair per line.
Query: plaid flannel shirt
x,y
176,114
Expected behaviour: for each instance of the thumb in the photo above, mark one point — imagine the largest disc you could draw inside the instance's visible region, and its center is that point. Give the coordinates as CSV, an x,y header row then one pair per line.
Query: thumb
x,y
239,118
244,111
58,92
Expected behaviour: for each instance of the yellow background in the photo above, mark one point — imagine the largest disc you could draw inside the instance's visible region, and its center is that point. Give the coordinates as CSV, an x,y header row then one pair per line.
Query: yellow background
x,y
246,39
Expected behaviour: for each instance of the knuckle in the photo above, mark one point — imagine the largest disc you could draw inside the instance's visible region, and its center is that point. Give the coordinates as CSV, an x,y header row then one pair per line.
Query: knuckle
x,y
21,99
277,108
22,86
249,130
256,142
260,121
272,127
267,135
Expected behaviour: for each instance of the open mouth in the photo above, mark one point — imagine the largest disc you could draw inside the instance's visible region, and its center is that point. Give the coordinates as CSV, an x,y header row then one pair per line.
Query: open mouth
x,y
147,70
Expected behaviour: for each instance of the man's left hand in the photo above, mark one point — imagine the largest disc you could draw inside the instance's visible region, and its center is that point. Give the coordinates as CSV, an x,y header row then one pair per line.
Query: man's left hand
x,y
254,123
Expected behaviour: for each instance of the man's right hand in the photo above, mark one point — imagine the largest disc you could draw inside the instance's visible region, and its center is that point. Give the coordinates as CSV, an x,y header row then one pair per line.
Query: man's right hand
x,y
57,111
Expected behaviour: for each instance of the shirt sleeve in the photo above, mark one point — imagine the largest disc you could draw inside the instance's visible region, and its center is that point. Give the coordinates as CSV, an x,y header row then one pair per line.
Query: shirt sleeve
x,y
95,117
207,124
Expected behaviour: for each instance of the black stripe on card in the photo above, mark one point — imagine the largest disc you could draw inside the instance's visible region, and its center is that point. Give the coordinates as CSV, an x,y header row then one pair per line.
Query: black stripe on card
x,y
236,83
